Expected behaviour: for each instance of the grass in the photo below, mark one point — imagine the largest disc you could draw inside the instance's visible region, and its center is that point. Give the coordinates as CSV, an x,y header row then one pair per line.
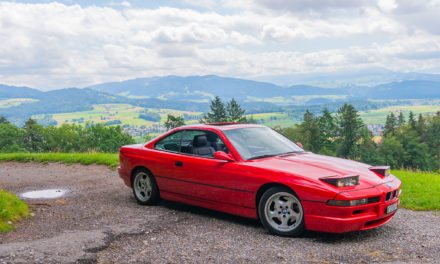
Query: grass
x,y
420,190
109,159
12,209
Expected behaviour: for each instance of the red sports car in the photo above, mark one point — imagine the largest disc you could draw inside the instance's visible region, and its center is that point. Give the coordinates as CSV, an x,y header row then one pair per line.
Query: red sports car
x,y
253,171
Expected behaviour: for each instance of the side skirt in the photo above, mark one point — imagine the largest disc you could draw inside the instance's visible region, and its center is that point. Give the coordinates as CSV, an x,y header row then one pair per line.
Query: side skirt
x,y
226,208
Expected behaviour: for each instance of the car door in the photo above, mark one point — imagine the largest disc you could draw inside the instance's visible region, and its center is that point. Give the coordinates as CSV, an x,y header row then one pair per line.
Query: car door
x,y
168,166
211,179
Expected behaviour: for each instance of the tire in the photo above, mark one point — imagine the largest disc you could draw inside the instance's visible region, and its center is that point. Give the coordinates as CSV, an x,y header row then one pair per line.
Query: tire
x,y
281,212
145,189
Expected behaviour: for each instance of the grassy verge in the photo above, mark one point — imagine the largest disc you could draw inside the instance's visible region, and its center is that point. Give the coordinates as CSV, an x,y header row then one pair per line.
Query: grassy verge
x,y
12,209
420,190
111,160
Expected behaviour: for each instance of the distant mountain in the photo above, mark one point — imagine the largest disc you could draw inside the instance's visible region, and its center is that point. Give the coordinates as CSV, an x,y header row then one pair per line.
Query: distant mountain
x,y
406,90
357,77
205,87
7,91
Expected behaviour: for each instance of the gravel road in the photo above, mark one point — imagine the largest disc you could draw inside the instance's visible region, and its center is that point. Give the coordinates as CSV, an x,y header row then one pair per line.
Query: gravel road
x,y
98,221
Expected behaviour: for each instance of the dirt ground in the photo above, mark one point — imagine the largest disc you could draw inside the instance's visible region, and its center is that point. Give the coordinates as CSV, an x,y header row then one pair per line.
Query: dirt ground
x,y
98,221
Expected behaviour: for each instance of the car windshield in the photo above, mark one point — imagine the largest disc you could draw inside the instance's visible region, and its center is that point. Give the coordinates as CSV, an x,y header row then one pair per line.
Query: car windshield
x,y
260,142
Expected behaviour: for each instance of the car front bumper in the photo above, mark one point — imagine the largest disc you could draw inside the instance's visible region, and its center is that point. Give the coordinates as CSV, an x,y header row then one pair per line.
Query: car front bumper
x,y
334,219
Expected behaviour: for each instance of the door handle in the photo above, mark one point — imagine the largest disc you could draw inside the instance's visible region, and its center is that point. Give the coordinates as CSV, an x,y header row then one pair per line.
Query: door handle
x,y
178,163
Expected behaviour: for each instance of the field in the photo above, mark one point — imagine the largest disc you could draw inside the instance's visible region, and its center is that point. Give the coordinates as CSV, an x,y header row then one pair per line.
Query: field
x,y
129,115
103,113
274,119
379,116
6,103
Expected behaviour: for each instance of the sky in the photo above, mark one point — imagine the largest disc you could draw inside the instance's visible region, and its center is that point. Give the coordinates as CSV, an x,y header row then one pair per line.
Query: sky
x,y
51,45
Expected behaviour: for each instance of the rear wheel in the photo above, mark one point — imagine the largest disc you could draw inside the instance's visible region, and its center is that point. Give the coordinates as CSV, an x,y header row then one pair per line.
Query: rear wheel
x,y
145,189
281,212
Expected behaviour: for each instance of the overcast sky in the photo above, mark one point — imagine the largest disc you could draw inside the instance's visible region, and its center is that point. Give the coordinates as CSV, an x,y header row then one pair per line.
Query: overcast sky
x,y
48,45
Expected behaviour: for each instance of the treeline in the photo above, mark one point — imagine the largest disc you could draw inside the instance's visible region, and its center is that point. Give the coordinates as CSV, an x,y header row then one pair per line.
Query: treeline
x,y
34,137
411,144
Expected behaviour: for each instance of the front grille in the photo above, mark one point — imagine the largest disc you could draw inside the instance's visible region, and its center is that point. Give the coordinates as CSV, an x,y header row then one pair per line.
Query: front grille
x,y
391,195
388,196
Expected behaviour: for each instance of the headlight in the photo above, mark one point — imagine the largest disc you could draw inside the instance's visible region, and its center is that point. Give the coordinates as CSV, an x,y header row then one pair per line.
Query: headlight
x,y
381,170
342,181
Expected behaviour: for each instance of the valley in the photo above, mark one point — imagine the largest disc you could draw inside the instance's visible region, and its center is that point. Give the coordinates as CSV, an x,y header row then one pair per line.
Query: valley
x,y
141,105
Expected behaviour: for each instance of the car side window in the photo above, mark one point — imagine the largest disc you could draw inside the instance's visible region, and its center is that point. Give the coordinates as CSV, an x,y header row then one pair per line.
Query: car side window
x,y
202,143
170,143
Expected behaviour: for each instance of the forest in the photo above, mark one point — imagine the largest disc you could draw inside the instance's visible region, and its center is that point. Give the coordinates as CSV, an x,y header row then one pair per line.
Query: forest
x,y
409,144
36,138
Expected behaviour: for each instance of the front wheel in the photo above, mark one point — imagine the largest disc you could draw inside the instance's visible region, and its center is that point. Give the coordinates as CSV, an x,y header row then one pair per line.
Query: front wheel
x,y
145,189
281,212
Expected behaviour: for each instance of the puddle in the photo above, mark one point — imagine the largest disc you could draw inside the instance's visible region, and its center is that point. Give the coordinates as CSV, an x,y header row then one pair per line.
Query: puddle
x,y
44,194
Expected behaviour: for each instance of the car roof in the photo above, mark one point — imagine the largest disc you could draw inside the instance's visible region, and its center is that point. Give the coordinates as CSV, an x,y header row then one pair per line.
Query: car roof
x,y
220,126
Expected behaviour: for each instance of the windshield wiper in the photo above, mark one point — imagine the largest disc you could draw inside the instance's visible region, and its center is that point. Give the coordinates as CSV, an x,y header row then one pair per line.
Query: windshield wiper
x,y
288,153
262,156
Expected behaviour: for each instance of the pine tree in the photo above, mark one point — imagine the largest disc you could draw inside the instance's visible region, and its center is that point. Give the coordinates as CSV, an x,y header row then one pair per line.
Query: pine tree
x,y
412,121
390,125
349,130
433,140
327,128
217,113
401,120
310,132
234,112
421,126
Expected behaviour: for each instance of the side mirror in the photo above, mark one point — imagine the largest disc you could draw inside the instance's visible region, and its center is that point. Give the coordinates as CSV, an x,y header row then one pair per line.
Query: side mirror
x,y
300,145
221,155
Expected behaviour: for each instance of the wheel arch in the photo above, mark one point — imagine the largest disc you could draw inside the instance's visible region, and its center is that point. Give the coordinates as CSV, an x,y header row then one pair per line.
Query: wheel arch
x,y
263,188
136,169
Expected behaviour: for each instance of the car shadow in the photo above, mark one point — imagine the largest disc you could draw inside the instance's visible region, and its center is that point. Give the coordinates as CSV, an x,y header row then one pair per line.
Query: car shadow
x,y
318,237
349,237
210,213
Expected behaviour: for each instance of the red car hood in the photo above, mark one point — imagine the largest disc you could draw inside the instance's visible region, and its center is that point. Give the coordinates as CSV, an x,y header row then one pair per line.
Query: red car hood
x,y
314,166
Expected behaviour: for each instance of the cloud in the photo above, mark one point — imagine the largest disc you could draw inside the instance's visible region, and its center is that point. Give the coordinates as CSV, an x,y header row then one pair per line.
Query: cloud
x,y
53,45
309,5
